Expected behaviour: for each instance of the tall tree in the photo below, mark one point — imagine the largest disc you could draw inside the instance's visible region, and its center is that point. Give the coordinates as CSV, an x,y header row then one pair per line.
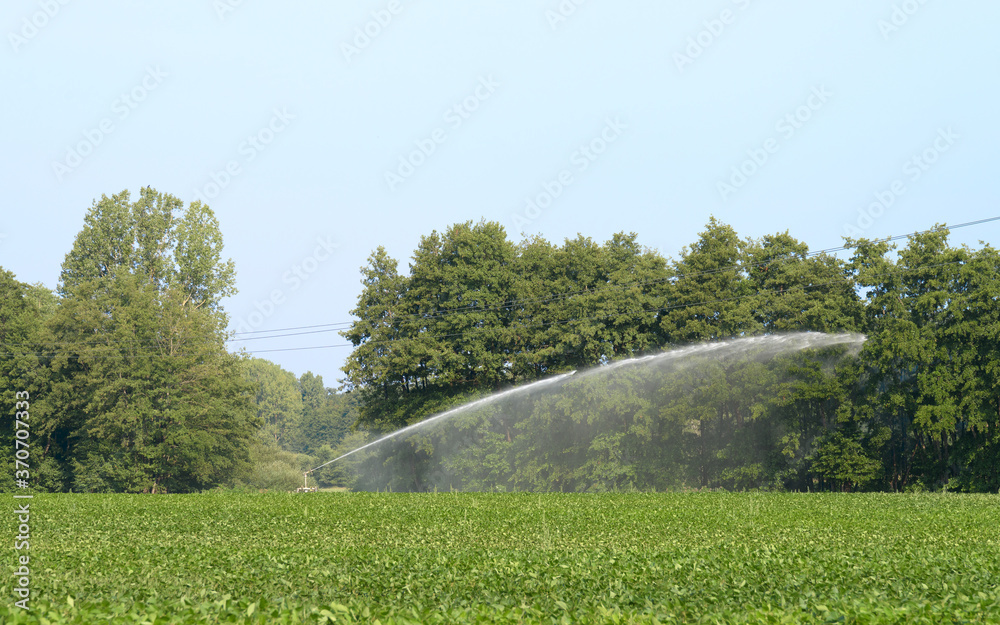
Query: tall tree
x,y
278,402
921,354
380,345
149,400
460,287
327,416
709,297
977,320
23,376
796,291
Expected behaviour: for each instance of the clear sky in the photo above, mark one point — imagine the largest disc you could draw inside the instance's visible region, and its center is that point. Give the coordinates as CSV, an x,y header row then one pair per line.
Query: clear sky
x,y
317,131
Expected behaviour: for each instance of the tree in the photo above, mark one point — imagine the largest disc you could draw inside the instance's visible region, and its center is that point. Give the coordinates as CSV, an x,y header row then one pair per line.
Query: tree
x,y
23,310
459,291
796,291
327,416
593,303
146,396
278,402
709,299
843,461
977,319
379,343
915,362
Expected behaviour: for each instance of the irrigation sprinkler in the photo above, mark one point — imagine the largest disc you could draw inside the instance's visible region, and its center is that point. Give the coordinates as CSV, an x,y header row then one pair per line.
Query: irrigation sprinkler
x,y
305,488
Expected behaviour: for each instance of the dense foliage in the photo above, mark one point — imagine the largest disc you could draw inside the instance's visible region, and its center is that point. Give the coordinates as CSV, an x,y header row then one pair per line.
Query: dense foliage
x,y
737,415
517,558
135,391
132,386
303,424
917,408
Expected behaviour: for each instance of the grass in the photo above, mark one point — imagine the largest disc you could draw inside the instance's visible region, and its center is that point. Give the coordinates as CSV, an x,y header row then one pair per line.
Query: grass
x,y
518,558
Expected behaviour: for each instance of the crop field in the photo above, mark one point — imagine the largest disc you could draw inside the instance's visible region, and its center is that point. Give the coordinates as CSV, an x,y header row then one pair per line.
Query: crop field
x,y
511,558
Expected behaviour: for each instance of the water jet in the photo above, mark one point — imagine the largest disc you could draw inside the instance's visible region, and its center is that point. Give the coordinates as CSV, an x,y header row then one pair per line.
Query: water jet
x,y
587,426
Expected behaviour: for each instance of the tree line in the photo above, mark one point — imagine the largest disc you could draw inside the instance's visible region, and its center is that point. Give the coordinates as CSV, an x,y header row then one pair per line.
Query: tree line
x,y
916,407
133,388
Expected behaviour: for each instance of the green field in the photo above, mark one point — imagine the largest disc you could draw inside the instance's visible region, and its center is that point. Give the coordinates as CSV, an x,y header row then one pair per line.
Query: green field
x,y
519,558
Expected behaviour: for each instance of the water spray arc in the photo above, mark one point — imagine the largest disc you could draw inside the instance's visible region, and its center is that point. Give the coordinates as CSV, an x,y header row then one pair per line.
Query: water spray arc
x,y
641,370
448,413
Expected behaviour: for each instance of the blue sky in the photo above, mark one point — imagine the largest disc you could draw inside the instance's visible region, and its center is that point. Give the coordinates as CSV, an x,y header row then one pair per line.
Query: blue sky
x,y
319,130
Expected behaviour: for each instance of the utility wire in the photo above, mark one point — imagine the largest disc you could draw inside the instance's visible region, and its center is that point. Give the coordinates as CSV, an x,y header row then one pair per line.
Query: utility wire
x,y
780,291
98,345
321,325
444,312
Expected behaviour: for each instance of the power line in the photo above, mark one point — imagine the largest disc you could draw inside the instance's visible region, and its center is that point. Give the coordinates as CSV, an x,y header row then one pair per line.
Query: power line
x,y
445,312
106,345
321,325
276,336
781,291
